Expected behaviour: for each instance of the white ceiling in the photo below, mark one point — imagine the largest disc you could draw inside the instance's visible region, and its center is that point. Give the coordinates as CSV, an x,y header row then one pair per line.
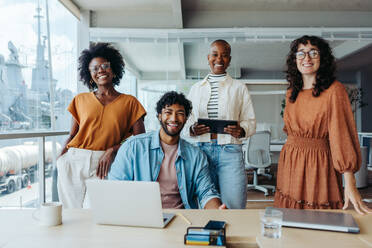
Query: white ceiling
x,y
171,37
125,5
231,13
229,5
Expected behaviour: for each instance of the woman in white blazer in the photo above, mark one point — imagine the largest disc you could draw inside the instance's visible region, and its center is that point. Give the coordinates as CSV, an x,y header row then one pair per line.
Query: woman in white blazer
x,y
218,96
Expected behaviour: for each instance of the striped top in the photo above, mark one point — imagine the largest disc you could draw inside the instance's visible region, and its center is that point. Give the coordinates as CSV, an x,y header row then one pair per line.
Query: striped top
x,y
212,107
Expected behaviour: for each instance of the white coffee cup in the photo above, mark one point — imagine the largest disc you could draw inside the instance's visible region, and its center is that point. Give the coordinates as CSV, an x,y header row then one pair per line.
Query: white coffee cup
x,y
49,214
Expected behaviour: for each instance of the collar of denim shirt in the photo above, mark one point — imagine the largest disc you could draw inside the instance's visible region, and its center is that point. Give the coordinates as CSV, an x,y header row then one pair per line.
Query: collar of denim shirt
x,y
155,144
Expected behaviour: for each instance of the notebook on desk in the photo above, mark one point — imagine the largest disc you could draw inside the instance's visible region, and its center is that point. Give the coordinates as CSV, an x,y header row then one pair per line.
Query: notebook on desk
x,y
331,221
128,203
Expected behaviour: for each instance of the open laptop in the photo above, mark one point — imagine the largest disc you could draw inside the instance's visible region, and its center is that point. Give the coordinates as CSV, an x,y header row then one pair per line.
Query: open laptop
x,y
128,203
331,221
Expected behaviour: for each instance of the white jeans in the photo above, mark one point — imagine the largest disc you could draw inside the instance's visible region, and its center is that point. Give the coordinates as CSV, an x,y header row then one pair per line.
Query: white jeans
x,y
74,167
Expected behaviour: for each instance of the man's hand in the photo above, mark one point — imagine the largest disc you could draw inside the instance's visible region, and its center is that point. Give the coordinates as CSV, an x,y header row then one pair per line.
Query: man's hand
x,y
222,207
104,163
196,129
215,203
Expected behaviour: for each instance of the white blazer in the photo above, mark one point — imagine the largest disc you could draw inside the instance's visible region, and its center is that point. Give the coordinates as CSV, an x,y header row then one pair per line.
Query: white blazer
x,y
234,103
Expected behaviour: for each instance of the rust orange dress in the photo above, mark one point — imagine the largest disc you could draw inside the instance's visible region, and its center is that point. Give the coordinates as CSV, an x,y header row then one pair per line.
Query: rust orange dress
x,y
322,143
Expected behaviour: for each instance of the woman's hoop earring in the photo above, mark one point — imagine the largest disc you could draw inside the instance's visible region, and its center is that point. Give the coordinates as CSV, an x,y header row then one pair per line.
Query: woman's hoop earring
x,y
91,81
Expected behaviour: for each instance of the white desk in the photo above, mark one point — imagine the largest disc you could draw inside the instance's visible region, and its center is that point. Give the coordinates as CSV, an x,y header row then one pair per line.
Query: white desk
x,y
276,145
18,229
276,148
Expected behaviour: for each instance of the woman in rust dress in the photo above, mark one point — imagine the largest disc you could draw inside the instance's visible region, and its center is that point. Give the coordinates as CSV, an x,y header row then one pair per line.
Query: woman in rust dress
x,y
322,139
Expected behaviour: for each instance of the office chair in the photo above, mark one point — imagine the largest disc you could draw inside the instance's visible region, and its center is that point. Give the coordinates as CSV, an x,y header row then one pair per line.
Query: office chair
x,y
257,157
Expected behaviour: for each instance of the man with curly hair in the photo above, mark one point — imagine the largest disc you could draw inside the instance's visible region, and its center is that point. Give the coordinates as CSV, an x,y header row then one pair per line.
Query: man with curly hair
x,y
102,119
180,168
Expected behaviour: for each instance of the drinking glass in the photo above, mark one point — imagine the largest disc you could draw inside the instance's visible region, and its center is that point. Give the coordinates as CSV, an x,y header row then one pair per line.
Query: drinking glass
x,y
271,223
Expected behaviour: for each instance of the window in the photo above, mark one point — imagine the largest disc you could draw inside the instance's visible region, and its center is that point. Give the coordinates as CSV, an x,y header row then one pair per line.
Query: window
x,y
30,96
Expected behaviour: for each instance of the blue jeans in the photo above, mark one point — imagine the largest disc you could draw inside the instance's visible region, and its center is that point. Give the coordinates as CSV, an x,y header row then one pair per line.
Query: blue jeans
x,y
227,171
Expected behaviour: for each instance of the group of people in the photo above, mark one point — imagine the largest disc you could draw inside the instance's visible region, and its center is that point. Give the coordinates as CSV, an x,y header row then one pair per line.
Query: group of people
x,y
322,139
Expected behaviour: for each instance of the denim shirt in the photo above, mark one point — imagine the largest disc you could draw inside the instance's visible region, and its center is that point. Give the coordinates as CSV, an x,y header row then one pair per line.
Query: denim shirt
x,y
140,159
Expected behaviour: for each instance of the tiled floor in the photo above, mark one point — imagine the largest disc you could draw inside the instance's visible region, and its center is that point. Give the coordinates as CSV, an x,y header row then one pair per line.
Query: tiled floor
x,y
257,199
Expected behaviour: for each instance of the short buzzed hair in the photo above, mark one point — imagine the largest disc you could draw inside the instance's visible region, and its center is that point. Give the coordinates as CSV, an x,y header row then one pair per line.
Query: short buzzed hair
x,y
223,42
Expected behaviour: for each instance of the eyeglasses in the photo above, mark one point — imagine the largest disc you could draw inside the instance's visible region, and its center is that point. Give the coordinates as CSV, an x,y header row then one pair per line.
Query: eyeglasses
x,y
314,54
103,66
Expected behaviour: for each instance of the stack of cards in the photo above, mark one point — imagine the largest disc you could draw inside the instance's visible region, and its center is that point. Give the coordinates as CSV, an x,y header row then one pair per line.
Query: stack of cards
x,y
208,235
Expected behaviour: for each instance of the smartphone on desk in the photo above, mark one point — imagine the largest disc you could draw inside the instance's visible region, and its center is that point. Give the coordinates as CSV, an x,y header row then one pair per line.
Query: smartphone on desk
x,y
215,225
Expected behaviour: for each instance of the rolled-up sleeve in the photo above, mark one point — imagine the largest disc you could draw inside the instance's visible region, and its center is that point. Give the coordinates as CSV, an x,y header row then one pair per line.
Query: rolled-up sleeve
x,y
205,189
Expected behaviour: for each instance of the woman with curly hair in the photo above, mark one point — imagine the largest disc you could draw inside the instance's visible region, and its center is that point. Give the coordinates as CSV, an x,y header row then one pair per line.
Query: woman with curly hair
x,y
322,139
102,119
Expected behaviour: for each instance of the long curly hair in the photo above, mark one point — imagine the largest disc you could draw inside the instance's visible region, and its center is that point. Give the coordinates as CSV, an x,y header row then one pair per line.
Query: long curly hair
x,y
325,75
102,50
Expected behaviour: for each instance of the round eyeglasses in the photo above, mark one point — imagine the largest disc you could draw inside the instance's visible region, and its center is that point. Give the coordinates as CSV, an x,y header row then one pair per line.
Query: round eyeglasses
x,y
314,54
103,66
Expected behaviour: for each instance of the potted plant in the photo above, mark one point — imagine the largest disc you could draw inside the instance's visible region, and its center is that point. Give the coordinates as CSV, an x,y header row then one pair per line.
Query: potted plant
x,y
356,97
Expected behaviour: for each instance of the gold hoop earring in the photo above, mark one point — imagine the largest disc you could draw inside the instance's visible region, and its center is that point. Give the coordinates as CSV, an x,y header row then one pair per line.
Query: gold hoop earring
x,y
91,81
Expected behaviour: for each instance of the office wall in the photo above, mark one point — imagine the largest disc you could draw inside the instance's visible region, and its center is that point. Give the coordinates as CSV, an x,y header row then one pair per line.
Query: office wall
x,y
267,106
